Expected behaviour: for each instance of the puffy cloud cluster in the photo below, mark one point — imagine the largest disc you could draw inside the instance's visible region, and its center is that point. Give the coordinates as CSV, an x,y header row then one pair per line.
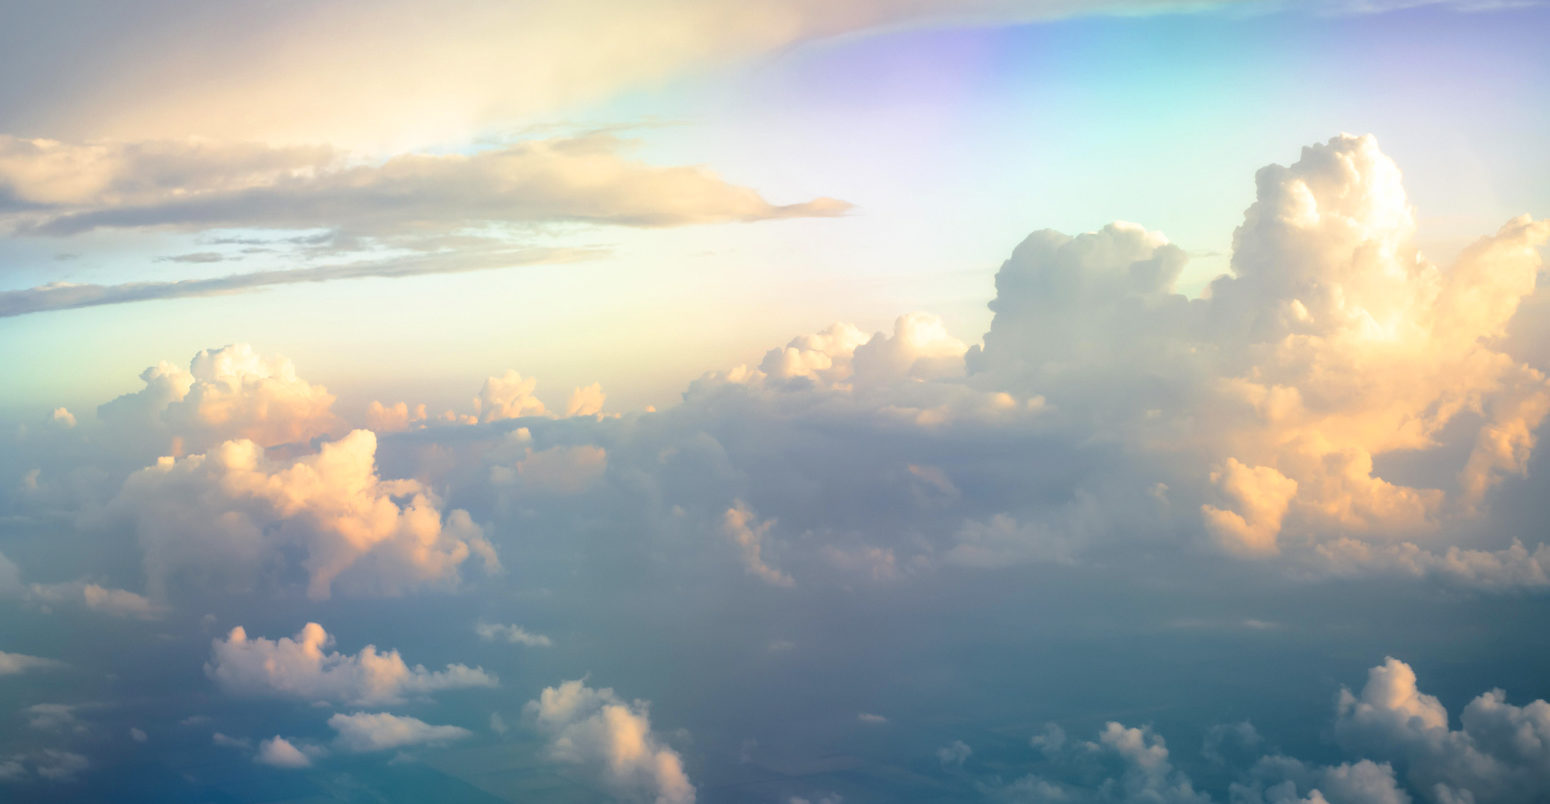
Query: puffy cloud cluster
x,y
1123,764
1332,342
227,393
229,516
1400,737
593,727
843,357
1500,752
303,667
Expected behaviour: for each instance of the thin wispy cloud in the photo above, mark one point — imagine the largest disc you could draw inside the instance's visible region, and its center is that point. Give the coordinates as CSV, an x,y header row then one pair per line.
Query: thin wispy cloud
x,y
67,296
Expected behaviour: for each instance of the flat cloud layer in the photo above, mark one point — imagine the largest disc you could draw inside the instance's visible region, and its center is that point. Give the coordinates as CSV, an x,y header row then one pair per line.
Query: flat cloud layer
x,y
59,189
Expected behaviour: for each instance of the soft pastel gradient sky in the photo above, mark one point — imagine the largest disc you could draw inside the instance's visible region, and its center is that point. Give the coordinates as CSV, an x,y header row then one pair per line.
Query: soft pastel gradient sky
x,y
413,402
951,141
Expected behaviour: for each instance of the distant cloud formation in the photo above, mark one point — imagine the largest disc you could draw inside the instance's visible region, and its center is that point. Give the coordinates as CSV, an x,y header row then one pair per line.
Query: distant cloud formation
x,y
14,663
57,189
227,393
514,634
352,527
1337,409
69,296
380,731
596,729
1397,732
302,667
281,753
414,214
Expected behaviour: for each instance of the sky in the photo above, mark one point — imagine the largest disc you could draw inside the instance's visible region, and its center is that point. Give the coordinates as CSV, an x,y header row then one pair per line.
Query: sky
x,y
787,401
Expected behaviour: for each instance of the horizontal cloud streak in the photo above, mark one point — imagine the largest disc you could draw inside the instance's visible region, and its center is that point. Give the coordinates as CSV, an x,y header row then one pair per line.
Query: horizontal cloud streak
x,y
68,296
63,189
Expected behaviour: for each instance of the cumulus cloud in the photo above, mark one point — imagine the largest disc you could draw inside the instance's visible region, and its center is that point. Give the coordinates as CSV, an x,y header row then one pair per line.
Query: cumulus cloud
x,y
226,393
515,634
393,418
595,728
509,396
561,470
1133,766
585,401
1500,752
1332,341
744,529
282,753
363,731
14,663
303,667
113,602
49,764
54,717
954,754
233,515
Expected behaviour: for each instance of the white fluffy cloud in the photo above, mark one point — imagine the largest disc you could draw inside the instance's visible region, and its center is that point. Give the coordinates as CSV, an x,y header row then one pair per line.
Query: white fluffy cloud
x,y
1145,770
227,393
593,727
1399,735
304,668
282,753
509,396
1332,342
365,731
230,514
1500,752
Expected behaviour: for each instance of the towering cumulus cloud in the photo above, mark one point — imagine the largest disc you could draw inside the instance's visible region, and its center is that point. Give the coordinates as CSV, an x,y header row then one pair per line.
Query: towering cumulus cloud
x,y
1332,342
231,392
234,516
